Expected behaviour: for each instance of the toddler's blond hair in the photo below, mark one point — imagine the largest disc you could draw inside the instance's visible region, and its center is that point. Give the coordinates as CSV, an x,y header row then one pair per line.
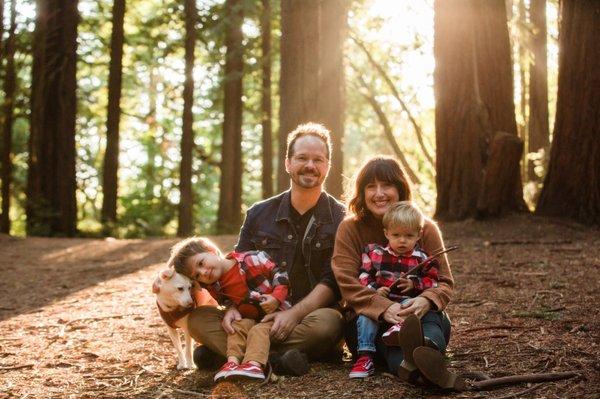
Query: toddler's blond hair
x,y
404,214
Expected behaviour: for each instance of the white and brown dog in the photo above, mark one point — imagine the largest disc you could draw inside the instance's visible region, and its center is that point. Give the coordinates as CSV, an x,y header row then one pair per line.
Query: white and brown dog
x,y
176,297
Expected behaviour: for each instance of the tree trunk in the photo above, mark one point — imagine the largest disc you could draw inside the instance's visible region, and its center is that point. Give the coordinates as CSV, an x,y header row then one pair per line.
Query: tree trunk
x,y
267,109
230,196
538,85
9,103
51,205
299,81
572,185
331,94
474,99
110,181
186,200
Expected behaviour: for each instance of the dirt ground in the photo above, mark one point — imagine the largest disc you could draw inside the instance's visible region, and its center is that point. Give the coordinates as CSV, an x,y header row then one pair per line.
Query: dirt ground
x,y
78,319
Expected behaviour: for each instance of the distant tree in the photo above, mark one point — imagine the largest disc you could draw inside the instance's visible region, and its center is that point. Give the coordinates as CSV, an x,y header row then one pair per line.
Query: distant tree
x,y
230,195
333,32
299,80
8,116
312,76
572,185
267,109
539,130
51,204
186,201
110,181
477,149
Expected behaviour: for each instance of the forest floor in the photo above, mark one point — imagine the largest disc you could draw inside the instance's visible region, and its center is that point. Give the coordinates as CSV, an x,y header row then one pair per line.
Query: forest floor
x,y
78,319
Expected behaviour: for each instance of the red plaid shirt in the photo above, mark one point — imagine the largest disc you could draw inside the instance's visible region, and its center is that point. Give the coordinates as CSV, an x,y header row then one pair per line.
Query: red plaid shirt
x,y
253,275
381,266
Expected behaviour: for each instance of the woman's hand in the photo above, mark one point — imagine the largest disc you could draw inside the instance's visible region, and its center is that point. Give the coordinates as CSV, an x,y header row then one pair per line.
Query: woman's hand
x,y
383,291
231,315
392,314
268,303
417,306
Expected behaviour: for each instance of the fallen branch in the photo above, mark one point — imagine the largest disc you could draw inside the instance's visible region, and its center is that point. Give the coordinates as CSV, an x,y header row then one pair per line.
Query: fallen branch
x,y
517,379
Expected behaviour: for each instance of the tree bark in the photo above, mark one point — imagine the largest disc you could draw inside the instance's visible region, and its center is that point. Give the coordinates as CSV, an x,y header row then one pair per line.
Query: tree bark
x,y
230,196
332,89
474,99
572,185
539,130
267,108
502,168
110,181
51,205
186,198
9,104
299,80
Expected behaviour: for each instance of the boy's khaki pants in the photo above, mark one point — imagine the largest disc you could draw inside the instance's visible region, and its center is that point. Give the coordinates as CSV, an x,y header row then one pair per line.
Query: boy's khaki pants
x,y
251,341
317,335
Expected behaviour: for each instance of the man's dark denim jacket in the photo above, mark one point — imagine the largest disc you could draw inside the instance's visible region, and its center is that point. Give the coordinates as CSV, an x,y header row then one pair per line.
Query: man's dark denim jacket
x,y
268,227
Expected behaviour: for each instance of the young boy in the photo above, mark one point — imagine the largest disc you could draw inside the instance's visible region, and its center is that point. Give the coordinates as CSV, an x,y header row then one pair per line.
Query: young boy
x,y
249,281
383,269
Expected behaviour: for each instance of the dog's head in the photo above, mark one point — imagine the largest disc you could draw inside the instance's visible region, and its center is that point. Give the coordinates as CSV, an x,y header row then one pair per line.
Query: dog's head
x,y
173,288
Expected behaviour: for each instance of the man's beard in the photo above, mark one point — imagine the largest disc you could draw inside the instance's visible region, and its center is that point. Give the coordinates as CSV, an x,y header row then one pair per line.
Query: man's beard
x,y
306,179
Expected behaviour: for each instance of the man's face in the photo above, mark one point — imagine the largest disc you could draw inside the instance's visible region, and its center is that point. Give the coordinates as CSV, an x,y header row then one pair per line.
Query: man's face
x,y
308,167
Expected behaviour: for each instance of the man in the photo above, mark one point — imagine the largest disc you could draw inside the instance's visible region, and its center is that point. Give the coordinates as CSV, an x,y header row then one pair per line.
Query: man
x,y
297,229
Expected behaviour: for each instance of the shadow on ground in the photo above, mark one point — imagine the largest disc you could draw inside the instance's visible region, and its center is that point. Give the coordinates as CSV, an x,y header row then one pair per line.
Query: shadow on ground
x,y
39,271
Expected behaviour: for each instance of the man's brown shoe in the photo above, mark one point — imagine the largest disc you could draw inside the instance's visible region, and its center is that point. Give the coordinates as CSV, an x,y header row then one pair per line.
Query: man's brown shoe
x,y
408,337
432,365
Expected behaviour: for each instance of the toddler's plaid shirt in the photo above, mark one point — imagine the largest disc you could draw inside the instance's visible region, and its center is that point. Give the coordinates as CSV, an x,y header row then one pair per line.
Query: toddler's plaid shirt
x,y
381,266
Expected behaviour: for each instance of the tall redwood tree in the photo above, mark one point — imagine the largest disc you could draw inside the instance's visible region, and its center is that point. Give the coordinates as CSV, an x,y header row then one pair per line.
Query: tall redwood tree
x,y
10,85
572,185
477,147
186,200
110,181
229,216
51,206
539,130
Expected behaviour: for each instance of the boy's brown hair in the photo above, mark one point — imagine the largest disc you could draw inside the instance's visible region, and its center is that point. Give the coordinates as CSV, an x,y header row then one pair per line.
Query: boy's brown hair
x,y
187,248
404,214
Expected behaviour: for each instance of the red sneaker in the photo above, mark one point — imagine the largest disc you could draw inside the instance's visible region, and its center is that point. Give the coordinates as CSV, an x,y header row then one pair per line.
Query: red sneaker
x,y
226,370
363,367
248,370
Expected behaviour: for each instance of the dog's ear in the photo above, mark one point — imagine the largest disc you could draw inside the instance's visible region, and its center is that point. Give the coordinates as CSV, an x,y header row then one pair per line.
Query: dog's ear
x,y
167,274
156,286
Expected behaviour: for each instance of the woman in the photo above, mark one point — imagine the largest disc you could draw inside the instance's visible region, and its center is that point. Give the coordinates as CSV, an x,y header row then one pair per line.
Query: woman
x,y
380,183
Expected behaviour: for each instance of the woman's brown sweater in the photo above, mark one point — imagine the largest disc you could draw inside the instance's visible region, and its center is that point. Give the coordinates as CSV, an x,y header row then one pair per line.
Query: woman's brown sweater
x,y
351,238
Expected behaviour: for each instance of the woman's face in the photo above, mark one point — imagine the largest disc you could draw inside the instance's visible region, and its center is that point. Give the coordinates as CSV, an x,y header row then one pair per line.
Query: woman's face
x,y
379,196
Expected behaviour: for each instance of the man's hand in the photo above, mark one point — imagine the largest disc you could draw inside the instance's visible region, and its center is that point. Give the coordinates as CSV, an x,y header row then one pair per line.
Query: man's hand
x,y
404,284
231,315
392,314
383,291
269,303
417,306
284,322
